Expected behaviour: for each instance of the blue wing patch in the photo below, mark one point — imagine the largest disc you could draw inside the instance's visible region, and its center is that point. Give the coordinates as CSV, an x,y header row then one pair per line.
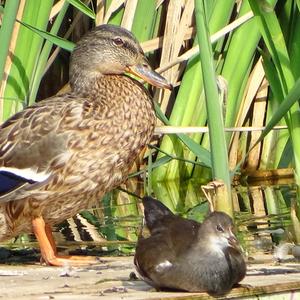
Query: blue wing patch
x,y
10,181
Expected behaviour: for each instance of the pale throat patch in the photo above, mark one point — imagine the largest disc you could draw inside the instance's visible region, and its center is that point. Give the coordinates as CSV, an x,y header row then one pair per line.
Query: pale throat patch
x,y
216,244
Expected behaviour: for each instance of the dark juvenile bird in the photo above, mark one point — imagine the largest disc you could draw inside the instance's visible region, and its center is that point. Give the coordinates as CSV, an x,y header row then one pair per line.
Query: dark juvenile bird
x,y
64,153
186,255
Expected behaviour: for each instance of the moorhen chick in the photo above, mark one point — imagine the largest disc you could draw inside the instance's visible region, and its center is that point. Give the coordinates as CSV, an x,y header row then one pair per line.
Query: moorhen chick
x,y
185,255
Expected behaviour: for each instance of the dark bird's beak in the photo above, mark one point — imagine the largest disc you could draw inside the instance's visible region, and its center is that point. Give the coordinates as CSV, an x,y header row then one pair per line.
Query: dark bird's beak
x,y
233,242
150,76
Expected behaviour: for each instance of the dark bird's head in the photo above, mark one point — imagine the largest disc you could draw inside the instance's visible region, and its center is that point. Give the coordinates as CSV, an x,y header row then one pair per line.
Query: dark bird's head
x,y
111,50
218,228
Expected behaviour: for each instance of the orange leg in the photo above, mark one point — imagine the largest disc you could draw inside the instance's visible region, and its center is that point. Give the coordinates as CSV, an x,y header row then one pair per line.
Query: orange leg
x,y
48,231
46,241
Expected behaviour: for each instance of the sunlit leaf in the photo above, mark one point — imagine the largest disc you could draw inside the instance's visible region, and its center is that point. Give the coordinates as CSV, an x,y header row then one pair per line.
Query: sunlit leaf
x,y
83,8
287,103
202,153
60,42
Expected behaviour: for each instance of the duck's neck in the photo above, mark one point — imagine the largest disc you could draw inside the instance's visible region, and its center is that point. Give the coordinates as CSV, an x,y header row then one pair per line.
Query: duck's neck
x,y
107,89
83,83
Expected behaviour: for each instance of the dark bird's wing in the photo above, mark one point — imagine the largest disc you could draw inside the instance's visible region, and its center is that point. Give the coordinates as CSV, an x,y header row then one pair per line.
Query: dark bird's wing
x,y
159,257
154,211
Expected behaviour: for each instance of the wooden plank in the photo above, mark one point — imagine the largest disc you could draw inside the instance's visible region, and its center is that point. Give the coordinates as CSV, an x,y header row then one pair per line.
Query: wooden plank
x,y
110,279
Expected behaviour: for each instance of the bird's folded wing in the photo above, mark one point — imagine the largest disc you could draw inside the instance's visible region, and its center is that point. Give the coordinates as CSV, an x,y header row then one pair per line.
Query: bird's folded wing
x,y
31,141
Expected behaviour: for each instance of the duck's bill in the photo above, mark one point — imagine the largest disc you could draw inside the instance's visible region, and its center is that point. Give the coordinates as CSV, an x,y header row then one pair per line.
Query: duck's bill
x,y
149,76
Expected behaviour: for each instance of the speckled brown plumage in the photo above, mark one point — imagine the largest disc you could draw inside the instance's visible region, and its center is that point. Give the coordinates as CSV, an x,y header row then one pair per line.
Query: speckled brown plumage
x,y
83,142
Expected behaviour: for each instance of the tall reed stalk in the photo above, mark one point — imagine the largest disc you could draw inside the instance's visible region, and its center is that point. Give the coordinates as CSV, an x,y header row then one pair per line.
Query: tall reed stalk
x,y
214,109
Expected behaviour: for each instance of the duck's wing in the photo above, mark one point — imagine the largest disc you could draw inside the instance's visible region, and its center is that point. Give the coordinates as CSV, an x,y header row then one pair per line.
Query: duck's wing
x,y
32,144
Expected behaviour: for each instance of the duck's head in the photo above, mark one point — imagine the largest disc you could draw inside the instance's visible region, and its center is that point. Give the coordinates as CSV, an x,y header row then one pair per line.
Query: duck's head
x,y
110,50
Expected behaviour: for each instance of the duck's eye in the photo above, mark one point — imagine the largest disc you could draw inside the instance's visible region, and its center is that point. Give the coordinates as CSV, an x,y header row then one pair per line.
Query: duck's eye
x,y
220,228
118,41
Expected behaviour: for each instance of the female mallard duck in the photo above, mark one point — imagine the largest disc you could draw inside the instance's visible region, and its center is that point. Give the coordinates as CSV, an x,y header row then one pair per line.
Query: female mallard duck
x,y
64,153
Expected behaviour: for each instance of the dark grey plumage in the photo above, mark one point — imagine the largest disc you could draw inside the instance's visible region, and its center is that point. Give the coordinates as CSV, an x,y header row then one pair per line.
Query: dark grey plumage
x,y
186,255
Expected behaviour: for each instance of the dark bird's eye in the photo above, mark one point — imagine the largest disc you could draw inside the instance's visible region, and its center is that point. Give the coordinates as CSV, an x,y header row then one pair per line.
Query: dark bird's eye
x,y
220,228
118,41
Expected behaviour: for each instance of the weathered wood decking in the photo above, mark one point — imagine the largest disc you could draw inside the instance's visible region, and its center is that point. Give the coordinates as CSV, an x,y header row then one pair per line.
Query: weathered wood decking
x,y
110,280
